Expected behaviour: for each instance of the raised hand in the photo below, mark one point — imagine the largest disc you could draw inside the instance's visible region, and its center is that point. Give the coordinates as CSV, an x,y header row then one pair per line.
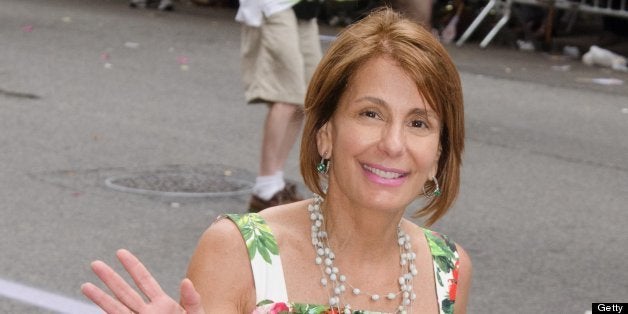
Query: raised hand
x,y
128,300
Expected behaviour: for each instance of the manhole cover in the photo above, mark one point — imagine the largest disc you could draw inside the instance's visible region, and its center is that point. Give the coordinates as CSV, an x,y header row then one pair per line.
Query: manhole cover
x,y
180,184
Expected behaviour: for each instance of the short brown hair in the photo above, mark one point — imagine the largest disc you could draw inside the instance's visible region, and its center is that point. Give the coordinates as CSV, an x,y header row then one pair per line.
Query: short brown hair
x,y
386,33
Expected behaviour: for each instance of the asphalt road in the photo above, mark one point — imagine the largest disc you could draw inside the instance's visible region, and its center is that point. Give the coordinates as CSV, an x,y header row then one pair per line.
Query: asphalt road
x,y
92,90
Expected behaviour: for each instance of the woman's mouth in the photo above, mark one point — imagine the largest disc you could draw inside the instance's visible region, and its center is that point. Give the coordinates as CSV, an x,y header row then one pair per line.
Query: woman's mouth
x,y
383,173
387,177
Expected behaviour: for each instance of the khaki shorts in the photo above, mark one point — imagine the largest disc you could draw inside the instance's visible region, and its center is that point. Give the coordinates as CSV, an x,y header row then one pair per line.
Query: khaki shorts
x,y
279,58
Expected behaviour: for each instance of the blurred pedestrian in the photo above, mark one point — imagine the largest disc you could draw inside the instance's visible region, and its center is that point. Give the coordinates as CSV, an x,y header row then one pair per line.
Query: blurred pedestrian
x,y
164,5
280,50
420,11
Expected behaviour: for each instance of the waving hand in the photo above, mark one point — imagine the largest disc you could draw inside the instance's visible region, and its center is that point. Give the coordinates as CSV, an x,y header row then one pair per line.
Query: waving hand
x,y
126,299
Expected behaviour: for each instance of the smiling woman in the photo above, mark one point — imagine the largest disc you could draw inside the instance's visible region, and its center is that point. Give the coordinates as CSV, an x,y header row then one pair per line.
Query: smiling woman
x,y
423,63
384,126
386,150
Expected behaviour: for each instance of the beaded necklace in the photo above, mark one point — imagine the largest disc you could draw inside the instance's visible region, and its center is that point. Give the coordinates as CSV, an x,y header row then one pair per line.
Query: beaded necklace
x,y
337,283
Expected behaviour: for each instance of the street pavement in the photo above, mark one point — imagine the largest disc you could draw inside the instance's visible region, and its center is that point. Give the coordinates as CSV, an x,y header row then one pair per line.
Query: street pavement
x,y
92,90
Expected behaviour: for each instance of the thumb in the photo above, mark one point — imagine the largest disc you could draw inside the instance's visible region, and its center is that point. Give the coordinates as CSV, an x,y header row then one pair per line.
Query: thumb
x,y
190,299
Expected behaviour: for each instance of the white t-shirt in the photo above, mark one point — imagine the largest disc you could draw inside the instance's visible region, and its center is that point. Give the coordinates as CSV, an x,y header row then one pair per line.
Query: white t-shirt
x,y
252,12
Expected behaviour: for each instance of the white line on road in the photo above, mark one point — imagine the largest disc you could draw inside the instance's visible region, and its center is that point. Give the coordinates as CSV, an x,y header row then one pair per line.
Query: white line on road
x,y
44,299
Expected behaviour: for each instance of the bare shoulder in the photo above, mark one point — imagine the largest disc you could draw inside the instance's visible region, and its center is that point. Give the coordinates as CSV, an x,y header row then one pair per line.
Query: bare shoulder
x,y
465,260
221,271
223,237
465,273
288,220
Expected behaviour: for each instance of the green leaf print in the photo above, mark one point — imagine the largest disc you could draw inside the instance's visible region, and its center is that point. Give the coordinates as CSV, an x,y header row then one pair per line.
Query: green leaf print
x,y
438,246
441,251
270,243
263,251
252,247
301,308
257,236
264,302
448,306
247,233
440,281
444,263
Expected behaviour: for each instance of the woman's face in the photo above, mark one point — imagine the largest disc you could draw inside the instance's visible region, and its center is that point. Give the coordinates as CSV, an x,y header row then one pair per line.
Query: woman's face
x,y
383,139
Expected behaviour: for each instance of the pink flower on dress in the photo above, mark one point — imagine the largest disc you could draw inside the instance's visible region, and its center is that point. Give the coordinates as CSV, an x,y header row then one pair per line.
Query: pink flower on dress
x,y
453,287
279,308
273,308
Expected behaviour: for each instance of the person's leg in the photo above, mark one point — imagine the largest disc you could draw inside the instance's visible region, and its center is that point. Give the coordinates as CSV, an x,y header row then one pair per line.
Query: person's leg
x,y
310,46
281,128
272,57
418,10
284,120
425,16
282,125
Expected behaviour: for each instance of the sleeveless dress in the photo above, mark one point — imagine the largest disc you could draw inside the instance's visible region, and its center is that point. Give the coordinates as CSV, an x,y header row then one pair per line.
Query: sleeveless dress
x,y
270,287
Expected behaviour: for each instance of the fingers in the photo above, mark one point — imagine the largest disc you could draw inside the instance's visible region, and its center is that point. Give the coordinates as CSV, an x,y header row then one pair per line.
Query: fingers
x,y
190,298
142,277
102,299
120,288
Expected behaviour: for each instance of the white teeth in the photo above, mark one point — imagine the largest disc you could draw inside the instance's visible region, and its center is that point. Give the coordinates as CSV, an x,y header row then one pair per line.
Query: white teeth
x,y
382,173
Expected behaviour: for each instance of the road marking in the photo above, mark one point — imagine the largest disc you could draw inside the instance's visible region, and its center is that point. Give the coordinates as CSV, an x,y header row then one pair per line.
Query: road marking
x,y
44,299
587,312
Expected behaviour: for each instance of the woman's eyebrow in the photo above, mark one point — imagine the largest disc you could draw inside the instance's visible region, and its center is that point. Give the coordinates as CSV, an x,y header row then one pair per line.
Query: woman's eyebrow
x,y
375,100
381,102
419,112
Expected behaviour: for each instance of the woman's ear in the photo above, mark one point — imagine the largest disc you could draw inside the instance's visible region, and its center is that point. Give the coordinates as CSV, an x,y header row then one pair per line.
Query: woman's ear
x,y
324,140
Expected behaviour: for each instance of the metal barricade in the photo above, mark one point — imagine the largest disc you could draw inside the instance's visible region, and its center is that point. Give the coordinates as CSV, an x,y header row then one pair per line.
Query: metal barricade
x,y
598,7
616,8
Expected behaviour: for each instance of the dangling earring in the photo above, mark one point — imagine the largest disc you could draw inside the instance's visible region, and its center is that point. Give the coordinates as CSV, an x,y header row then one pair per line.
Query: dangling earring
x,y
323,166
437,191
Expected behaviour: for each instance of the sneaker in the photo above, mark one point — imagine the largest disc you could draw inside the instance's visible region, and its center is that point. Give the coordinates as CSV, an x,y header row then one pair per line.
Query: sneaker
x,y
137,4
165,5
289,194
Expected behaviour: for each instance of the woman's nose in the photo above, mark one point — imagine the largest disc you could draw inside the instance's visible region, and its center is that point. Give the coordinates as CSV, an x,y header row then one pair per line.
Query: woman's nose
x,y
392,140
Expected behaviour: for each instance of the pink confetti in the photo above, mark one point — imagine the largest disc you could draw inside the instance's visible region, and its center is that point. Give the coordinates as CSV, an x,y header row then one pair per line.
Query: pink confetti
x,y
76,194
104,56
27,28
182,60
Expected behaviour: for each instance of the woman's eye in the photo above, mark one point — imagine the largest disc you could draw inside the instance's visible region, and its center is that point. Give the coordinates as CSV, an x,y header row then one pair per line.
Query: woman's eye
x,y
418,124
370,114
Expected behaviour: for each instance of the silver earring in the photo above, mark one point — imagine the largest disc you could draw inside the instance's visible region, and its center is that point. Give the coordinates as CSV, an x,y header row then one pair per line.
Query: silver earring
x,y
323,166
435,193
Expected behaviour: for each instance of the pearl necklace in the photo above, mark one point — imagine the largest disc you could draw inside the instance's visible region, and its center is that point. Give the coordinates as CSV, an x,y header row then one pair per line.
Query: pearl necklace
x,y
338,282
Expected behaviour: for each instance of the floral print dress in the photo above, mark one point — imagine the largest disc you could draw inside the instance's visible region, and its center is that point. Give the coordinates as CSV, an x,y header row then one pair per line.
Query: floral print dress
x,y
272,296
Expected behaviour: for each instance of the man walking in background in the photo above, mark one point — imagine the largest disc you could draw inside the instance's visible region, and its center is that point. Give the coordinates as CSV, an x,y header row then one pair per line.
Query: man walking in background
x,y
279,54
